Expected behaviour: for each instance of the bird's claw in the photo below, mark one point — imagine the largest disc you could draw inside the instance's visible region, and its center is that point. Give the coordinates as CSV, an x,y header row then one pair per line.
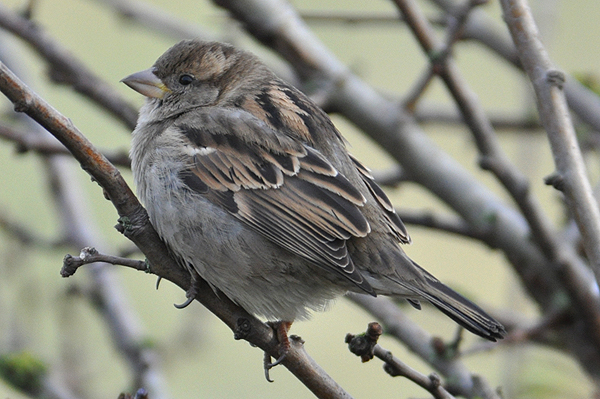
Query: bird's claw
x,y
268,365
191,292
189,300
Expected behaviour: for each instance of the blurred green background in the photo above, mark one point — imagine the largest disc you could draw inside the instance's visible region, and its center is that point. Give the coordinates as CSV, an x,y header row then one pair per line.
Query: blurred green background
x,y
199,357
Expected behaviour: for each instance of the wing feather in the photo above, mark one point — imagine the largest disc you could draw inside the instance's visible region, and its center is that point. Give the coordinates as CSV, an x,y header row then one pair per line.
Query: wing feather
x,y
394,223
288,192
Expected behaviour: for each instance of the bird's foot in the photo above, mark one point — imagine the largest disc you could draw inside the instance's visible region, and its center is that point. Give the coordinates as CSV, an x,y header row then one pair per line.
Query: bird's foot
x,y
281,328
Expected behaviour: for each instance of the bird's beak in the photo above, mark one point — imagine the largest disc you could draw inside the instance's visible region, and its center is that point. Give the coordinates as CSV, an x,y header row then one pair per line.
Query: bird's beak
x,y
146,83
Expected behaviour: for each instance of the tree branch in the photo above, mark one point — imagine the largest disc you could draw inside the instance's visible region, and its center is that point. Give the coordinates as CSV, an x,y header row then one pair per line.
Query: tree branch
x,y
66,69
570,176
564,259
46,145
365,345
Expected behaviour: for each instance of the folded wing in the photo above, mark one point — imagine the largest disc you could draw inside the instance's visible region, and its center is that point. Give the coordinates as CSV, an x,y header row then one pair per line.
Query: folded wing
x,y
281,188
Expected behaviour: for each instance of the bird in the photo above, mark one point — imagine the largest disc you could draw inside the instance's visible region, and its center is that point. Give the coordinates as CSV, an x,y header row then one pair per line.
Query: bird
x,y
252,188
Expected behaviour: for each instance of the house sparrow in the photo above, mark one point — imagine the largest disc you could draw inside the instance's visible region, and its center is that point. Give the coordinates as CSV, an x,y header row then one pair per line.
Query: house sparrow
x,y
252,188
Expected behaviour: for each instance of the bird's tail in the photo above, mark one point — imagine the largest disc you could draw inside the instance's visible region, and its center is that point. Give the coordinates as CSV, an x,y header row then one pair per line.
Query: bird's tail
x,y
454,305
461,310
406,279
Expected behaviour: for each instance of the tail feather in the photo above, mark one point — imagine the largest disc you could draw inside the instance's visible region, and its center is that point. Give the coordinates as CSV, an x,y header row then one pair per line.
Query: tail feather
x,y
410,281
454,305
463,311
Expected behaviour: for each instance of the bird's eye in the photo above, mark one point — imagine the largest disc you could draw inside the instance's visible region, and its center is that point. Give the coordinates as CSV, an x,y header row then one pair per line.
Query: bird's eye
x,y
186,79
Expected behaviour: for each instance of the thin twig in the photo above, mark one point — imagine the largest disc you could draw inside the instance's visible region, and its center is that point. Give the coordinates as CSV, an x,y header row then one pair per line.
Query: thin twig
x,y
439,55
501,121
365,345
391,177
456,25
397,324
91,255
447,224
346,17
418,88
397,368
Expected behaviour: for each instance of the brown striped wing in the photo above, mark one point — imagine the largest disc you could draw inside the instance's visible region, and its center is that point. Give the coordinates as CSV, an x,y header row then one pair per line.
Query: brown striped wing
x,y
283,189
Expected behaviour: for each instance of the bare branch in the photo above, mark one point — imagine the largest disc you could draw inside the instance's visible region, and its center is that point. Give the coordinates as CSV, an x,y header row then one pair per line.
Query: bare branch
x,y
395,323
548,84
365,345
346,17
47,145
442,114
446,223
91,255
482,28
64,68
397,368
